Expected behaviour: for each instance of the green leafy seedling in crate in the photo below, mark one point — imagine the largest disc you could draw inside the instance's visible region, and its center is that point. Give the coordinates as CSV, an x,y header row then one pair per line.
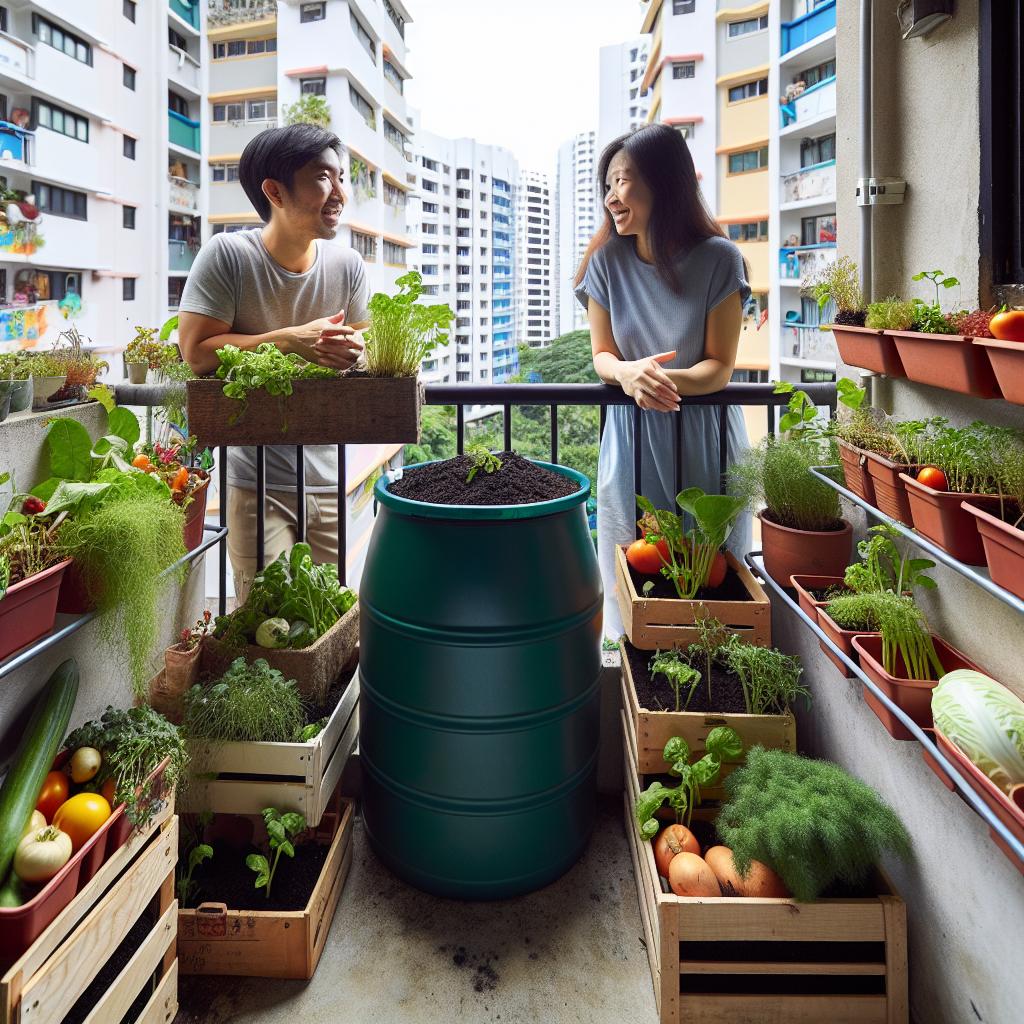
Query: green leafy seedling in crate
x,y
281,830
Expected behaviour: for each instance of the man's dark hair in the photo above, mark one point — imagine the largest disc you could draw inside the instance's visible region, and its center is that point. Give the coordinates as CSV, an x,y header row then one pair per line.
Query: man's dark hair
x,y
278,153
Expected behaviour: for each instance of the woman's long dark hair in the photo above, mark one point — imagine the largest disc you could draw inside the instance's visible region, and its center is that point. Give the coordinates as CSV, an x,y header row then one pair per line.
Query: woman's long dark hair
x,y
679,218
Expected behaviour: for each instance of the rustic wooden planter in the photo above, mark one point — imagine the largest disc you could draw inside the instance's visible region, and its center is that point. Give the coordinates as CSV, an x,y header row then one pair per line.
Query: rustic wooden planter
x,y
948,361
855,471
213,939
1004,548
738,960
1007,361
648,731
346,410
659,622
47,980
868,348
304,775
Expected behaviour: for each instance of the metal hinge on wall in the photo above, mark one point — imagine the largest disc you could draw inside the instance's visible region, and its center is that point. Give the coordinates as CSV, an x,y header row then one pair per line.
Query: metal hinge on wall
x,y
880,191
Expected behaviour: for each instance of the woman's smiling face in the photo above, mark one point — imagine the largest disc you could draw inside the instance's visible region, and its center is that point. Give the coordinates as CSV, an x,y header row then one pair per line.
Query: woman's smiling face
x,y
626,196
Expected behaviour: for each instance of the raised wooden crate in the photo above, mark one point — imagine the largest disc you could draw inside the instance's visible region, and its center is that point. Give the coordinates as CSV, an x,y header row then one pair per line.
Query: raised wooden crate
x,y
344,410
648,731
289,776
661,622
47,980
736,960
213,939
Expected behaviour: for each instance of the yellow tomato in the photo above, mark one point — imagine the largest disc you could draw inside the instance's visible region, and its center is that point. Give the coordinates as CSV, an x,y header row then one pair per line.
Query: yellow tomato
x,y
81,816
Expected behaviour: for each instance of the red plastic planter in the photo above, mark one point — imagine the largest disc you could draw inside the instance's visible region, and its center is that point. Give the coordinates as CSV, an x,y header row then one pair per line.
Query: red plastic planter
x,y
1004,548
842,638
195,516
912,696
947,361
940,516
29,609
855,471
890,493
1007,361
73,598
868,348
789,552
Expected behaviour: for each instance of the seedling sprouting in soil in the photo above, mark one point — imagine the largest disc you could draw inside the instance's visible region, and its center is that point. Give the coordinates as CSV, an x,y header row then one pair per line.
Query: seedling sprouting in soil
x,y
483,459
281,830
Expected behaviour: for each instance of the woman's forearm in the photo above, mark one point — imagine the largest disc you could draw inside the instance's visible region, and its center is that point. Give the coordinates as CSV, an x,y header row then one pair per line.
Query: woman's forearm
x,y
702,378
607,366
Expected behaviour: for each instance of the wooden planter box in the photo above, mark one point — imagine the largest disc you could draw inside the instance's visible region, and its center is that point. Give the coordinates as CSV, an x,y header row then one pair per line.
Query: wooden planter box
x,y
737,960
347,410
46,981
647,732
660,622
270,944
304,774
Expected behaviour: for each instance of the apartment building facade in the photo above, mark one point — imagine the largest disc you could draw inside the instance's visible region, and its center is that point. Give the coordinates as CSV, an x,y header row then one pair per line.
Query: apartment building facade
x,y
576,212
623,103
536,291
100,108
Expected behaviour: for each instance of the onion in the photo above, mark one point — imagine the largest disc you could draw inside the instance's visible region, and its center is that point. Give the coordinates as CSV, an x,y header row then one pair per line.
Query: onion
x,y
673,840
760,880
689,875
85,763
35,823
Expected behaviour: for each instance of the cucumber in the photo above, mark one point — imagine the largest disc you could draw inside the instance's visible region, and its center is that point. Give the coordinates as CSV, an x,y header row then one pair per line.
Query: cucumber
x,y
34,757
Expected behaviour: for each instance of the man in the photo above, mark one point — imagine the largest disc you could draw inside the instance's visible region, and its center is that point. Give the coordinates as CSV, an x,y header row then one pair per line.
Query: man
x,y
282,283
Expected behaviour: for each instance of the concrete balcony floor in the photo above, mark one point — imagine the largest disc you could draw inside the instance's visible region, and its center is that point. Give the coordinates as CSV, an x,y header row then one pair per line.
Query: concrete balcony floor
x,y
572,952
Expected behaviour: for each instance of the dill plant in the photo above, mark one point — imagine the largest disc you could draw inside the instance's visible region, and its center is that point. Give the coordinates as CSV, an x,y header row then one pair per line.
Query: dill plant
x,y
403,332
839,282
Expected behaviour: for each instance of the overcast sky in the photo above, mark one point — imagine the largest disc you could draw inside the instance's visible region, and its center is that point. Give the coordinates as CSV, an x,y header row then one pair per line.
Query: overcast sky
x,y
516,73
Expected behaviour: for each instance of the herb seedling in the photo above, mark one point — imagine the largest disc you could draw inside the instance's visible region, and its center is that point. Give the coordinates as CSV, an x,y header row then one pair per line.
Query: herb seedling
x,y
483,459
198,852
928,316
884,567
679,674
281,830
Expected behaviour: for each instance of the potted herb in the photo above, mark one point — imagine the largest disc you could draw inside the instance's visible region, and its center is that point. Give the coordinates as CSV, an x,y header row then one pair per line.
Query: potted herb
x,y
81,367
181,669
378,401
17,368
934,352
858,434
900,449
188,477
48,377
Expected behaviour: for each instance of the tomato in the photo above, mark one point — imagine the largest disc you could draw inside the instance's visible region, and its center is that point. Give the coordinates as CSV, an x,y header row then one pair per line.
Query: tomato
x,y
107,790
52,795
180,480
1008,326
141,462
647,558
716,577
81,816
932,476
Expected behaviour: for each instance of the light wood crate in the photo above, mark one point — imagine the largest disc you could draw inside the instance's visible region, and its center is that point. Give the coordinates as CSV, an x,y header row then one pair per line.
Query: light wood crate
x,y
661,622
648,731
738,960
43,985
214,939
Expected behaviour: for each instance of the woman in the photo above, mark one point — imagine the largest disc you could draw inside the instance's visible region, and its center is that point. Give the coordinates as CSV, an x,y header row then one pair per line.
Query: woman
x,y
664,292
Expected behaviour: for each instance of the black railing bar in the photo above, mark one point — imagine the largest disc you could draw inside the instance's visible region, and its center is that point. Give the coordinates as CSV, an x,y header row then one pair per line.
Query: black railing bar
x,y
677,451
300,493
1016,603
753,560
507,424
603,417
342,515
222,555
460,429
554,435
770,411
261,505
723,447
637,451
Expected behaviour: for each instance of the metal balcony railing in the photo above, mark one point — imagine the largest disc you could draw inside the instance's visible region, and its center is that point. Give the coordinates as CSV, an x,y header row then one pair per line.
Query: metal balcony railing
x,y
802,30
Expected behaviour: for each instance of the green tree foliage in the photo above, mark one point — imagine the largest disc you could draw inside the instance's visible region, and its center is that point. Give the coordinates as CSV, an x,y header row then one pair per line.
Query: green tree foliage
x,y
308,109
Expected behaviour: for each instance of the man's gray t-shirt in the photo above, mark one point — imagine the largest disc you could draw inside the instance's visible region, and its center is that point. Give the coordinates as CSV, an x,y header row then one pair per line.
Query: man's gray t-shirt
x,y
236,280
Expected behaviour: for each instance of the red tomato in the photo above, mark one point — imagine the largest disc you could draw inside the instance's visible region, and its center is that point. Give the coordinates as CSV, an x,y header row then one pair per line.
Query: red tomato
x,y
1008,326
647,558
932,476
716,577
52,795
107,790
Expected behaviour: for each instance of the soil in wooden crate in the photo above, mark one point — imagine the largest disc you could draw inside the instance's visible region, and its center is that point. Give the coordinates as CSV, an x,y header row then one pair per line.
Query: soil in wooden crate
x,y
655,694
517,482
732,588
224,878
317,711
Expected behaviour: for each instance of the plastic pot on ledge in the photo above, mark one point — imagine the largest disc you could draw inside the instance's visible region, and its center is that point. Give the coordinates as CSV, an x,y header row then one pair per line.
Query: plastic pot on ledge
x,y
1007,361
940,517
805,586
855,472
868,348
788,552
1004,547
948,361
890,491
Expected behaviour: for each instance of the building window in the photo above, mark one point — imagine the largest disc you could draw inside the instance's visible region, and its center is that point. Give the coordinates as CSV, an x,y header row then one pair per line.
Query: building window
x,y
363,105
686,129
313,86
429,186
128,289
128,147
427,207
364,37
60,39
61,202
365,245
232,48
177,103
752,231
683,6
748,90
681,69
394,254
176,40
228,112
128,217
57,119
392,75
262,110
397,20
223,172
394,196
819,73
128,77
128,9
312,12
394,136
748,25
748,160
429,165
817,151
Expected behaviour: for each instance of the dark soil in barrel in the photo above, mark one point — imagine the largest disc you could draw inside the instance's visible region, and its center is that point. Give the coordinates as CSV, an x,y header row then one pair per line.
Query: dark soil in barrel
x,y
732,588
655,693
517,482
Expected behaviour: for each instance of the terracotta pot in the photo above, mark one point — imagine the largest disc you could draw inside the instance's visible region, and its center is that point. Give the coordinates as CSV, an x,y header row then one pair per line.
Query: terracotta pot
x,y
29,608
1004,548
137,372
195,516
890,492
855,472
947,361
912,696
803,585
1007,361
868,348
842,638
789,552
939,515
73,598
180,674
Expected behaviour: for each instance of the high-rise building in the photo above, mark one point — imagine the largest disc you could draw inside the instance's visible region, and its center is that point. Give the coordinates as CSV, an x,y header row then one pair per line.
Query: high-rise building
x,y
623,102
535,290
802,151
576,218
101,147
460,216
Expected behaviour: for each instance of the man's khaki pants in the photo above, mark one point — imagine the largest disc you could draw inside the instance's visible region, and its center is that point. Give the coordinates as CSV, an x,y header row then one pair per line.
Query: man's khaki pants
x,y
280,530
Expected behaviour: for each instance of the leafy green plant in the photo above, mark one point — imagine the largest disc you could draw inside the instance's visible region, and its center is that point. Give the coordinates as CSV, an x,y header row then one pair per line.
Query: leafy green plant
x,y
891,314
809,821
15,366
770,679
133,742
722,744
969,456
855,611
402,332
679,673
281,830
198,852
1008,459
712,636
308,109
839,282
884,566
482,459
248,704
928,316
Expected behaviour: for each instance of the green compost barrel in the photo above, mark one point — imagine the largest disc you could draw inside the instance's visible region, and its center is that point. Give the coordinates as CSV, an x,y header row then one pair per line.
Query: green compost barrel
x,y
479,666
